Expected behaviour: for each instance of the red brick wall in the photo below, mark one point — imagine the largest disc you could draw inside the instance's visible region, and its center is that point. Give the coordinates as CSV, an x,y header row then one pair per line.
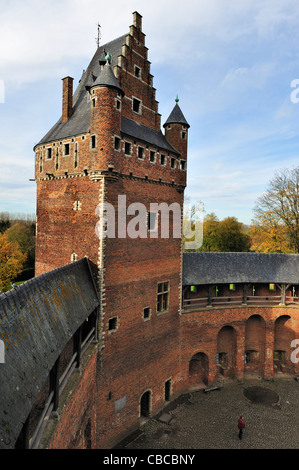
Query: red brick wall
x,y
199,333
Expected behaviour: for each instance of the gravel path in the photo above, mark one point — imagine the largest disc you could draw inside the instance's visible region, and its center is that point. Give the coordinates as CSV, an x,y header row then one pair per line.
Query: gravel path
x,y
209,420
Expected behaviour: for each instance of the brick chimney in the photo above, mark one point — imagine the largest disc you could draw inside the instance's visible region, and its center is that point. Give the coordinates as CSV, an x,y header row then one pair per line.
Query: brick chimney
x,y
67,98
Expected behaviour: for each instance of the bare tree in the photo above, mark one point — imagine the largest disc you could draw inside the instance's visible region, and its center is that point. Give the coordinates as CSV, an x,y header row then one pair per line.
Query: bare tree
x,y
281,202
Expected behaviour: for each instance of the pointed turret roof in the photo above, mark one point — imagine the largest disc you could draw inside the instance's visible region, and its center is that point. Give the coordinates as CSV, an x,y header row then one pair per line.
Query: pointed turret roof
x,y
106,77
176,116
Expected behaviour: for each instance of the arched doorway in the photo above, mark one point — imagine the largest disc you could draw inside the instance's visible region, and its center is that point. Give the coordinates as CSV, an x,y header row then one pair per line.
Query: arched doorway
x,y
145,404
254,345
199,369
226,351
283,336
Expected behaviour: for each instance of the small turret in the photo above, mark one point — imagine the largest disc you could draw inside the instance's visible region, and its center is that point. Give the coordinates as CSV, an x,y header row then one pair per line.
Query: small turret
x,y
176,131
105,116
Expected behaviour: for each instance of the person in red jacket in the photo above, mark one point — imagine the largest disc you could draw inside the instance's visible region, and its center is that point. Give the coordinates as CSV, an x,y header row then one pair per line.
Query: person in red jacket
x,y
241,426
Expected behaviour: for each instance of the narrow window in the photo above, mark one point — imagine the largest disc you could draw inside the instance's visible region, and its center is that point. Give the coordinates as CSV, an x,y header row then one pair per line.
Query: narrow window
x,y
74,257
127,148
94,103
183,165
112,324
146,313
116,143
118,104
66,149
162,159
184,135
76,156
93,141
136,105
272,287
57,160
152,156
49,153
137,72
232,287
167,390
41,163
140,152
172,163
162,297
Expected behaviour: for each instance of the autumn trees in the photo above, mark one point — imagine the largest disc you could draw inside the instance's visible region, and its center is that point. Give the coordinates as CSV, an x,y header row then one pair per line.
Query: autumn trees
x,y
276,223
11,261
17,248
225,235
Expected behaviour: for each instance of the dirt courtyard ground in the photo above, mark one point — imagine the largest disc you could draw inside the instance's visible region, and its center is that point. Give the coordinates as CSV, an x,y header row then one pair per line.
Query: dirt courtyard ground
x,y
200,420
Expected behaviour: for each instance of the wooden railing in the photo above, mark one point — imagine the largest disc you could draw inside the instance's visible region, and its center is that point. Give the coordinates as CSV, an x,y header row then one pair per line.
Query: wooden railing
x,y
203,302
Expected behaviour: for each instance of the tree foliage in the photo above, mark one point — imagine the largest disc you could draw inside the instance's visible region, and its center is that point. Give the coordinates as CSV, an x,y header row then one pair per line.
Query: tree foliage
x,y
278,209
11,261
225,235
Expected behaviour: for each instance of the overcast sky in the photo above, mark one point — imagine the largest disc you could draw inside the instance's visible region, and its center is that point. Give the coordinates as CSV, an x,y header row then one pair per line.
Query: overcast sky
x,y
231,62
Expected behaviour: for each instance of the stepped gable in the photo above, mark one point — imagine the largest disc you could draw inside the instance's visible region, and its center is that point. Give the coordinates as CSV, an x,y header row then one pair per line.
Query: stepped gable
x,y
37,320
226,268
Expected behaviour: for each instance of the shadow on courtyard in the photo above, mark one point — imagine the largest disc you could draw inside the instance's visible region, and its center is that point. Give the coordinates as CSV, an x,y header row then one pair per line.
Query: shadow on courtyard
x,y
199,420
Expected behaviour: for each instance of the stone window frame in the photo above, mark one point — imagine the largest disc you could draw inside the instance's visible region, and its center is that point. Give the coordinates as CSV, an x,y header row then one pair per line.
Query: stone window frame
x,y
148,312
173,163
140,152
183,165
49,153
138,70
164,158
112,324
118,104
93,141
127,143
154,154
163,293
134,101
66,149
74,257
117,143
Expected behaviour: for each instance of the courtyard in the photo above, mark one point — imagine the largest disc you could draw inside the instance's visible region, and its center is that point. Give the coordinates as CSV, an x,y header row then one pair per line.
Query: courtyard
x,y
208,420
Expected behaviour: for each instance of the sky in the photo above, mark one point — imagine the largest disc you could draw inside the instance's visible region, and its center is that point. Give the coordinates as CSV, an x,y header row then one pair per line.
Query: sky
x,y
233,64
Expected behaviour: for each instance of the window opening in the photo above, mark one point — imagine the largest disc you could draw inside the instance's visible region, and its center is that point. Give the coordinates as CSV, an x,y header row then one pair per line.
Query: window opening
x,y
136,105
112,324
162,297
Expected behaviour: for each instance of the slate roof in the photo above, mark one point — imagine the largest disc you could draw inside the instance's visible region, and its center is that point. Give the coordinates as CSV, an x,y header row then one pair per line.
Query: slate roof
x,y
225,268
140,132
37,319
176,117
79,122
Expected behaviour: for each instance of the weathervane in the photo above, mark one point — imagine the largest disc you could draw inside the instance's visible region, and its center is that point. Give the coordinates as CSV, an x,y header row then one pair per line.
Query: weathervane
x,y
99,35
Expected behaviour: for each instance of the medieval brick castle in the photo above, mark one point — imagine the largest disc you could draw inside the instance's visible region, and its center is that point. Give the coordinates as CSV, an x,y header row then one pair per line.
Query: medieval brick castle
x,y
113,328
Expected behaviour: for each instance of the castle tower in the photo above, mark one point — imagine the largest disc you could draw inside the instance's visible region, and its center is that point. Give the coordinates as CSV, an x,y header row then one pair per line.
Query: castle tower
x,y
108,150
176,132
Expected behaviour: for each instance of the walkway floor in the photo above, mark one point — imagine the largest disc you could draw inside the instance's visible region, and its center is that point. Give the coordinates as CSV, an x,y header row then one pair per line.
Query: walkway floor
x,y
200,420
